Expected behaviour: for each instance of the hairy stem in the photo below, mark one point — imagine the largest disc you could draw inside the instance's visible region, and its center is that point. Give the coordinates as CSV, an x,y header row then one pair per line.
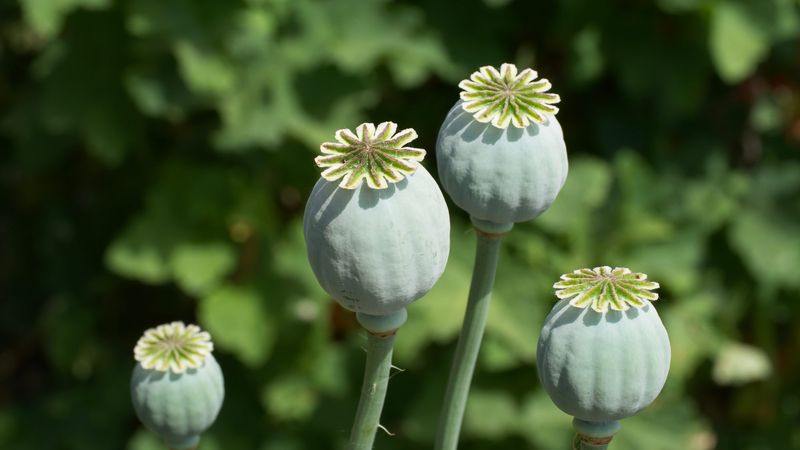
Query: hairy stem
x,y
469,342
373,391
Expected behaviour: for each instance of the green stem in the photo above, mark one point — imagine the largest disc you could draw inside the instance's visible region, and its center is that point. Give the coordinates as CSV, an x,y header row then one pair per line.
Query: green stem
x,y
373,391
469,342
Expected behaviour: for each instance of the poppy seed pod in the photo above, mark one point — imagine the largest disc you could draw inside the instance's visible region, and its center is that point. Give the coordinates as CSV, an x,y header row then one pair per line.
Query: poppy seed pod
x,y
177,386
377,246
500,151
603,353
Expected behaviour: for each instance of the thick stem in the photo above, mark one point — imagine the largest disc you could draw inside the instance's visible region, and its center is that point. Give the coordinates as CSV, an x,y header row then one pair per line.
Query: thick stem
x,y
469,342
373,391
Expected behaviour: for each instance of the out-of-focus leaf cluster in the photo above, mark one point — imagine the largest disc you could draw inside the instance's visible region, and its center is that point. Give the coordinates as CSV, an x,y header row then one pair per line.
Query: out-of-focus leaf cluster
x,y
156,156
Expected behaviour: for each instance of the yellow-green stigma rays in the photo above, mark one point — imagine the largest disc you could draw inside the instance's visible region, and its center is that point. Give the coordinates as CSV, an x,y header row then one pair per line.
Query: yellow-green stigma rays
x,y
173,347
374,154
604,288
507,97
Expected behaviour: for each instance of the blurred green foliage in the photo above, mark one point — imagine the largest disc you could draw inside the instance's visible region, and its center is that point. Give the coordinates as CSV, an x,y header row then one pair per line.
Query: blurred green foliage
x,y
156,155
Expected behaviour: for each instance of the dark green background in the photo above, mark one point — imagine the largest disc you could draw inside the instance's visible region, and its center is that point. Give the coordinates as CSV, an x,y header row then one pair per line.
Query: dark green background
x,y
155,157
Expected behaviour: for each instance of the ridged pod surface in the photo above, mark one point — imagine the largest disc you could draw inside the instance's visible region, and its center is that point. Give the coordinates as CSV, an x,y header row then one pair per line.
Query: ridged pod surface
x,y
603,366
377,250
178,406
501,175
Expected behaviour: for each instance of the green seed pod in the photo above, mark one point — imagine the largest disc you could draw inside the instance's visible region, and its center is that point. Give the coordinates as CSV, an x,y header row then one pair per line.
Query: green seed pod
x,y
377,246
177,386
498,173
603,353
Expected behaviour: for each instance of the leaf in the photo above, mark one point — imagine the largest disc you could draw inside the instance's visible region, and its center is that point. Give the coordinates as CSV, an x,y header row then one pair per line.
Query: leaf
x,y
205,71
68,342
291,260
769,246
145,440
357,34
692,336
282,442
767,115
737,43
290,398
91,104
326,370
414,59
678,6
543,424
496,355
425,406
642,218
674,263
585,190
47,17
738,364
490,414
588,60
766,233
519,303
497,3
180,20
238,322
785,20
665,426
158,92
8,425
711,202
254,114
142,251
177,237
200,267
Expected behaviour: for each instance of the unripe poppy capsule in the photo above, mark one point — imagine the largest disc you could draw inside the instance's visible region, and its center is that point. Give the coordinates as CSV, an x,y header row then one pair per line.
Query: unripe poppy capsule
x,y
501,152
177,386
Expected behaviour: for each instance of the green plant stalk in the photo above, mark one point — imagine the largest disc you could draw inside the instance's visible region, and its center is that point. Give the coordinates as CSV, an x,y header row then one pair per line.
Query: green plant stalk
x,y
469,342
373,391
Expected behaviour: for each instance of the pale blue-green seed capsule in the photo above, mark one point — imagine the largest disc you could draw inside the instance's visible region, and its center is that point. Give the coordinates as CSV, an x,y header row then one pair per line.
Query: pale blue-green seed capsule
x,y
501,152
177,387
375,247
603,353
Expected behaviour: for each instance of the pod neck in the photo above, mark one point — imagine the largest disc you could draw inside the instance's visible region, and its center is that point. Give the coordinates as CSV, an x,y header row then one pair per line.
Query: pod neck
x,y
595,435
383,325
491,229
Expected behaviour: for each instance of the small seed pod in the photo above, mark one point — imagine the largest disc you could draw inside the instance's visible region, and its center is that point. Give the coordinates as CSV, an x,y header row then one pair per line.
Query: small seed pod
x,y
498,173
377,246
177,386
603,353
